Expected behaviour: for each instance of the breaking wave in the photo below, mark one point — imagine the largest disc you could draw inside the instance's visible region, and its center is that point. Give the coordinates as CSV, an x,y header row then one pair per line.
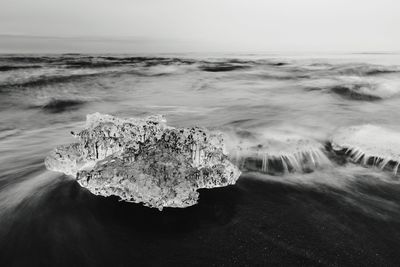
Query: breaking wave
x,y
62,105
355,88
276,152
356,91
369,145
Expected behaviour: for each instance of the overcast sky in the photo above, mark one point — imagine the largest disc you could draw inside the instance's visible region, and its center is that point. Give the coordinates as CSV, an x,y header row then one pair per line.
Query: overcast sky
x,y
200,25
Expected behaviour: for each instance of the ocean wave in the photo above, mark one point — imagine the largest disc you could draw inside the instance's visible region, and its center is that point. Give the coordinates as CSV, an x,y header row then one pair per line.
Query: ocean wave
x,y
278,75
159,70
275,152
86,61
365,69
30,59
70,69
369,145
229,64
324,69
18,67
151,61
211,65
355,91
223,67
103,62
62,105
45,80
356,88
80,64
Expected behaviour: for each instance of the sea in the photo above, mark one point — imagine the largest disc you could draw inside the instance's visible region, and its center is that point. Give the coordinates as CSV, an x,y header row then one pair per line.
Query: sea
x,y
339,214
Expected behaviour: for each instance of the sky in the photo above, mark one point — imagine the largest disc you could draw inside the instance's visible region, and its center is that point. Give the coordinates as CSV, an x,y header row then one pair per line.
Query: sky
x,y
199,25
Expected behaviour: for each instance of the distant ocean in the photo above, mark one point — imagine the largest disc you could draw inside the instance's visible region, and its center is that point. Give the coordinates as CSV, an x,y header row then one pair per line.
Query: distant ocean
x,y
339,215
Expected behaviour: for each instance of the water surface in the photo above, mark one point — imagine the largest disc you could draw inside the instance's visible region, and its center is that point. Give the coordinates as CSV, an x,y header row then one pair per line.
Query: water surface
x,y
338,215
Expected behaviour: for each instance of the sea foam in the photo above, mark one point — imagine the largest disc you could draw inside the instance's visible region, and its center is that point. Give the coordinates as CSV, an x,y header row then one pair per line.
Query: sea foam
x,y
277,153
369,145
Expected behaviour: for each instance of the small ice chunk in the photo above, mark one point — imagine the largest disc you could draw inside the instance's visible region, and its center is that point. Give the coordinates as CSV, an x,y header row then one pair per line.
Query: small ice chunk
x,y
369,145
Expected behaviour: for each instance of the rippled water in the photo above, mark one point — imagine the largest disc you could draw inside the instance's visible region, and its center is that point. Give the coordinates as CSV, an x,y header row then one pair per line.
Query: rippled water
x,y
336,215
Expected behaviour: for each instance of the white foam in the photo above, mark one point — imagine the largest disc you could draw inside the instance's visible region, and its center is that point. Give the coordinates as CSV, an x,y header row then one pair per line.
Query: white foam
x,y
293,152
367,143
388,88
379,87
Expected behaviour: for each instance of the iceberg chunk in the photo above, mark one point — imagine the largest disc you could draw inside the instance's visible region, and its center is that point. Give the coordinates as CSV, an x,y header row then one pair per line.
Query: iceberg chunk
x,y
369,145
145,161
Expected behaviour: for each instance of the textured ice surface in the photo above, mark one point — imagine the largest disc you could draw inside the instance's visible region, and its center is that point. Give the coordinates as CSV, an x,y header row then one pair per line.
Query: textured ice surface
x,y
369,145
104,136
143,160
